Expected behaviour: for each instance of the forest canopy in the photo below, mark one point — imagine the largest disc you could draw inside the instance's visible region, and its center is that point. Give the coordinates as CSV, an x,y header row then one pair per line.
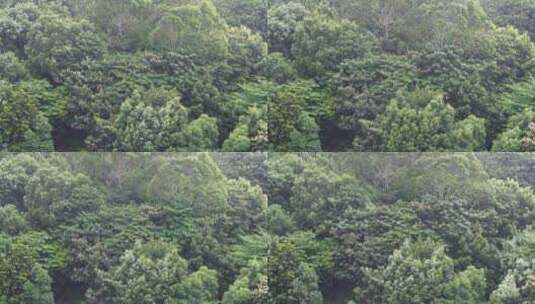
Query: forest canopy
x,y
267,75
253,228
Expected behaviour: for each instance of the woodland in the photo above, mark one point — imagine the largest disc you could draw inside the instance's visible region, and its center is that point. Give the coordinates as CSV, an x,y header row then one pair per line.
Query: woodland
x,y
288,82
258,228
267,75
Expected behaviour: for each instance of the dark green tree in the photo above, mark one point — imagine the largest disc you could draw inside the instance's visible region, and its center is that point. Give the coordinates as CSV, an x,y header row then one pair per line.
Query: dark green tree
x,y
421,272
322,43
422,121
519,133
155,273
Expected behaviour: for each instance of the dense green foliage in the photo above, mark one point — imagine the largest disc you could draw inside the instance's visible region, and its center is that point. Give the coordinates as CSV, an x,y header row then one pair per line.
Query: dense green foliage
x,y
402,228
130,228
259,75
266,229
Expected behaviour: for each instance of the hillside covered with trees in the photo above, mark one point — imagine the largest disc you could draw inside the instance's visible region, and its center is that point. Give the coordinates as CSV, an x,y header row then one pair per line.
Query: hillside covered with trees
x,y
267,75
246,228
